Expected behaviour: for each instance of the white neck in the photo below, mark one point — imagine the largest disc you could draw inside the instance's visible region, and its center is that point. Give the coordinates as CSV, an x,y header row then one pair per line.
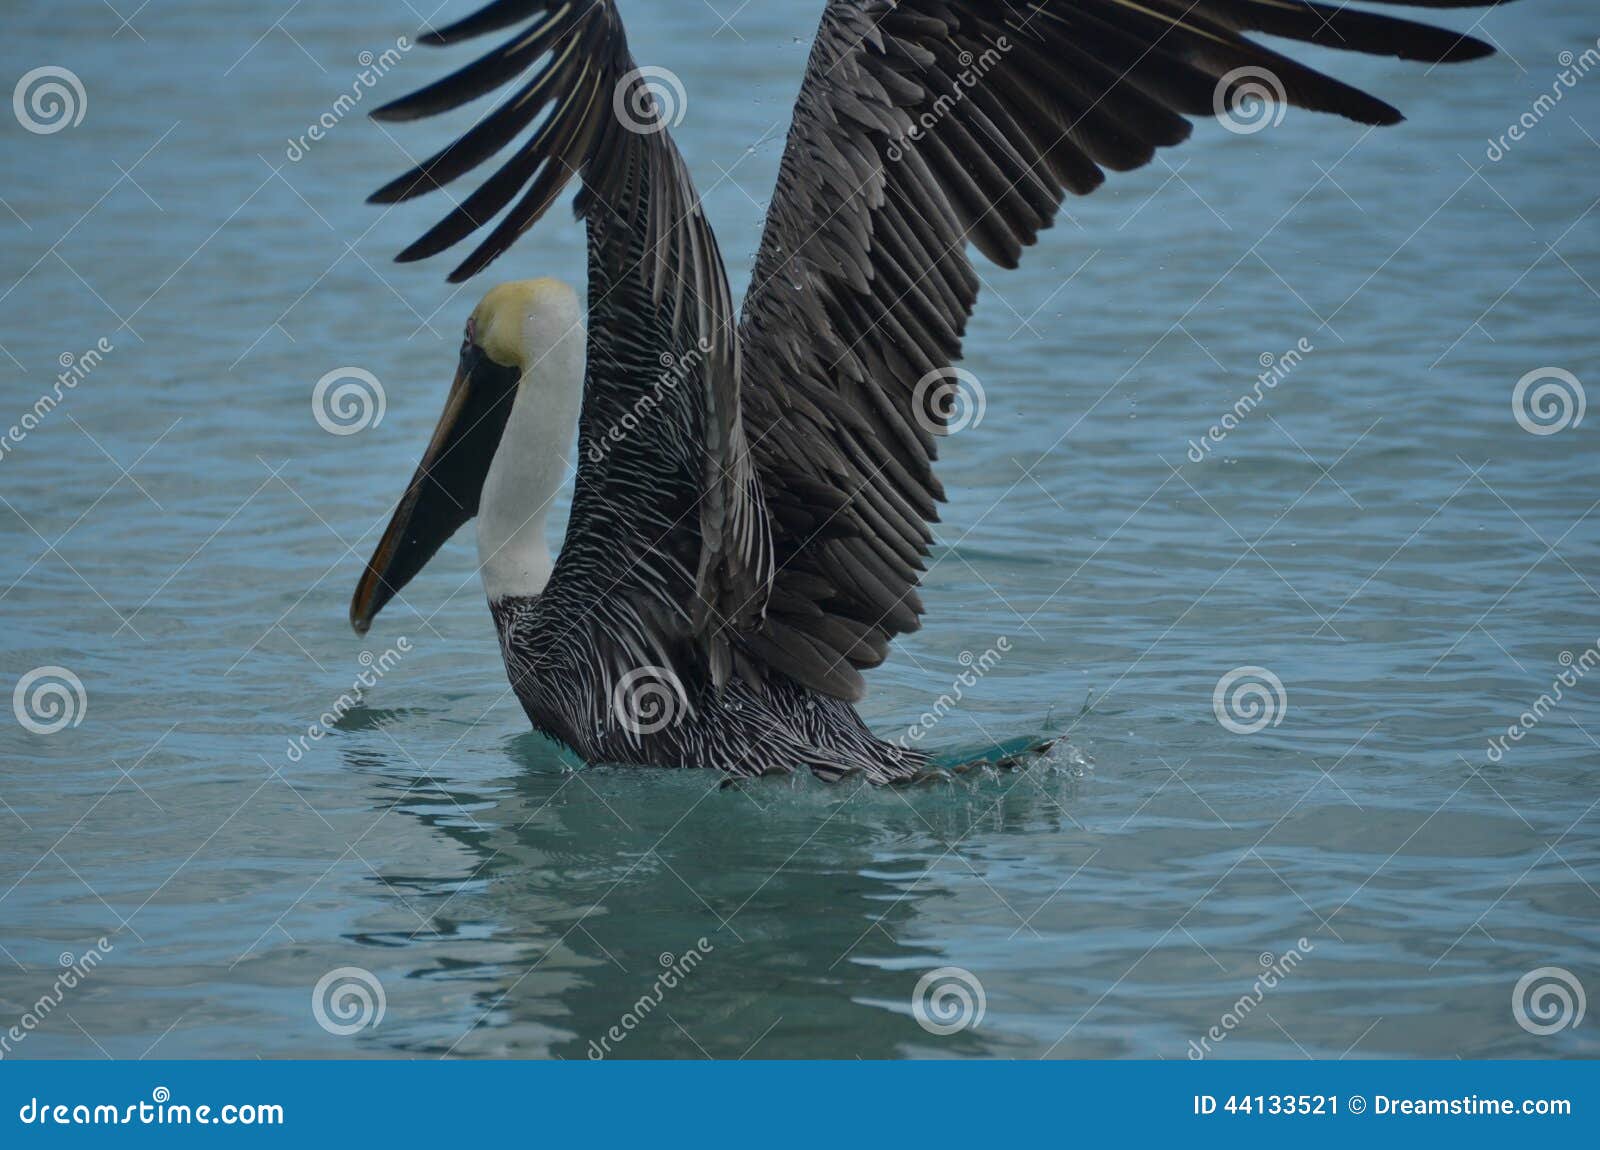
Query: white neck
x,y
530,464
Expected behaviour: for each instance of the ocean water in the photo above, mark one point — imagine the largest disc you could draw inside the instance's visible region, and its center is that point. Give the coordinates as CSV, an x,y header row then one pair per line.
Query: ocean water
x,y
1338,861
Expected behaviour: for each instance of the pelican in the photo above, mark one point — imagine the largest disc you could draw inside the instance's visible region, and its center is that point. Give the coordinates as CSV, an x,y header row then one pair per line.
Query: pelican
x,y
753,495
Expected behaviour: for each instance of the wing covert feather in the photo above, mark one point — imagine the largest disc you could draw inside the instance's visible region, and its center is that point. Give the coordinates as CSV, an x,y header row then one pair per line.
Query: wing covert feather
x,y
923,129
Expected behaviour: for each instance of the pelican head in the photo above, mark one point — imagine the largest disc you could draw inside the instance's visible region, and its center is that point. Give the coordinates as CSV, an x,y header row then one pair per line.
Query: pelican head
x,y
499,450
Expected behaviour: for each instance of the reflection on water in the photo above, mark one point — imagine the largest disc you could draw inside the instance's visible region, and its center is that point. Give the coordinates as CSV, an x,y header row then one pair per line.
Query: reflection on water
x,y
1410,564
565,911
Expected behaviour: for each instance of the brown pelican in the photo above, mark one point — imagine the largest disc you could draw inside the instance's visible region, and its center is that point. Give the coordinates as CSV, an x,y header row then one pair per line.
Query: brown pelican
x,y
753,495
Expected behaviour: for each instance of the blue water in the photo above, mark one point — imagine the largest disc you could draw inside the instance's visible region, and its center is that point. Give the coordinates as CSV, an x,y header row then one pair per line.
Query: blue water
x,y
1380,534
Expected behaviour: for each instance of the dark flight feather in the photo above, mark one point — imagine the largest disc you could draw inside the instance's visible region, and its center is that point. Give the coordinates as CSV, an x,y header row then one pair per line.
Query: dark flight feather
x,y
792,483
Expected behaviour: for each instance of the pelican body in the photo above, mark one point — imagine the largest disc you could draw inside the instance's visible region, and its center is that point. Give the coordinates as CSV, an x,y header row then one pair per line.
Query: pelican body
x,y
754,494
584,663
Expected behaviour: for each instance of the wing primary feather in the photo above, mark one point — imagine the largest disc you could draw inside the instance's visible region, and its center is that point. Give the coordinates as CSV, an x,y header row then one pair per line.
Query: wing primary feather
x,y
490,18
925,131
478,78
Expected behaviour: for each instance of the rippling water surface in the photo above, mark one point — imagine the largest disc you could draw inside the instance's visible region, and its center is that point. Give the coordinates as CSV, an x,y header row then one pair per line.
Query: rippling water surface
x,y
1380,536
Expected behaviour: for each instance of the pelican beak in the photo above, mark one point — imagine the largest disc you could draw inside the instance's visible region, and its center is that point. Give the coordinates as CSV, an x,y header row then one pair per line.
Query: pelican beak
x,y
444,492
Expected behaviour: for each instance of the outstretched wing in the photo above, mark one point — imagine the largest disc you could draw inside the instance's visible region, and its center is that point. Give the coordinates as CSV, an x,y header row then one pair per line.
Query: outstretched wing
x,y
924,126
667,548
